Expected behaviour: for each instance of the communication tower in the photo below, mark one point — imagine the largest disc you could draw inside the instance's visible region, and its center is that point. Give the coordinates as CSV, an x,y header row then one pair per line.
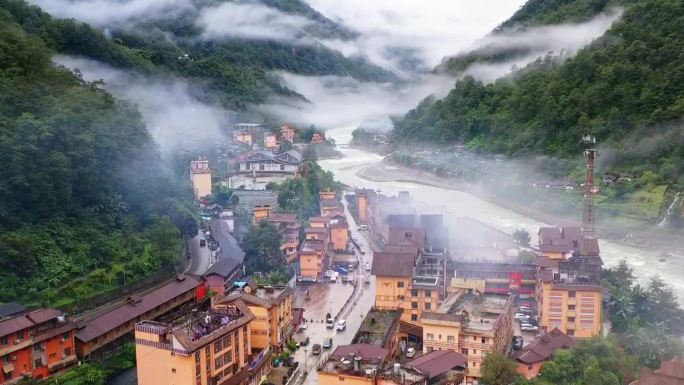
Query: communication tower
x,y
590,190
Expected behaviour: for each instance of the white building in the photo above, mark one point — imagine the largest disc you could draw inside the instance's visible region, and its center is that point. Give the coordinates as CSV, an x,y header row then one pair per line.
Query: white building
x,y
257,169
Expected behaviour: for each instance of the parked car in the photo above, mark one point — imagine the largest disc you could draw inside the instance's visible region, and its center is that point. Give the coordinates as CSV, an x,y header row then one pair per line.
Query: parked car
x,y
521,316
350,267
327,344
362,228
529,328
330,323
316,349
203,242
525,308
367,266
341,325
304,342
410,352
345,278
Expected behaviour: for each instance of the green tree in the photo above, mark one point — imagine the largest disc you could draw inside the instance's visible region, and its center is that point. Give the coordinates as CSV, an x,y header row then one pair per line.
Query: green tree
x,y
522,237
497,369
262,249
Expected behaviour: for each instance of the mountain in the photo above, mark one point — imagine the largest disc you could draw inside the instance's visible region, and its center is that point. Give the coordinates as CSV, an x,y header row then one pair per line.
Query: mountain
x,y
626,89
231,71
85,202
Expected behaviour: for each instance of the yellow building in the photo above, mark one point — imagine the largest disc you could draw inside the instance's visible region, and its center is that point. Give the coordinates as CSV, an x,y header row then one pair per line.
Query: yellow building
x,y
204,348
319,222
400,283
471,324
272,325
568,289
289,228
362,205
355,364
270,141
200,177
243,137
313,259
339,232
261,212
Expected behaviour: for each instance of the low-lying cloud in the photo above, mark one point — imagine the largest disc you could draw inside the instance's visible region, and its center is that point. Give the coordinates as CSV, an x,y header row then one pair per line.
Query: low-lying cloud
x,y
251,21
562,40
106,13
344,101
173,116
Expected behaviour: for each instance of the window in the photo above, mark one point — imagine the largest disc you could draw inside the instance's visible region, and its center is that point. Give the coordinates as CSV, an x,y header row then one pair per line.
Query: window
x,y
173,370
38,363
197,356
4,340
430,336
5,358
475,351
484,353
571,319
400,284
217,346
226,341
529,366
282,167
67,352
428,293
571,332
474,364
8,376
451,339
227,357
571,294
571,307
408,235
414,317
474,338
484,340
261,167
66,336
464,352
218,362
414,305
428,306
414,293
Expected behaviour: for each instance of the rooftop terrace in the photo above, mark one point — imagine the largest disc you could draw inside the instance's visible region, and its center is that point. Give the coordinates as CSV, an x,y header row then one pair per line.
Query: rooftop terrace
x,y
377,327
477,311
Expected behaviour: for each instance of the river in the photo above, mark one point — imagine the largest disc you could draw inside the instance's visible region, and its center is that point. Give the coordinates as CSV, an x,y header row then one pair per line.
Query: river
x,y
456,203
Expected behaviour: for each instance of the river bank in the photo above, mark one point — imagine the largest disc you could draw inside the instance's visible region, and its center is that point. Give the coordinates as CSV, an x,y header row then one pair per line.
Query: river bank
x,y
666,242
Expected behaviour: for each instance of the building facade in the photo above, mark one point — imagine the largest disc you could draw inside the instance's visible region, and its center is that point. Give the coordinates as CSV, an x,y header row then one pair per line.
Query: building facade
x,y
200,177
35,344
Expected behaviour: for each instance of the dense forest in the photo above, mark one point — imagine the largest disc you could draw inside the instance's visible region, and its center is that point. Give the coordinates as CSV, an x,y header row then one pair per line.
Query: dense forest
x,y
85,203
230,72
625,89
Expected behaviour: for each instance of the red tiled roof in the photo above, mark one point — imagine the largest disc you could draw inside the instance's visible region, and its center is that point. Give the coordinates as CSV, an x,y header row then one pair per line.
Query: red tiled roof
x,y
282,217
43,315
15,324
670,373
437,362
542,347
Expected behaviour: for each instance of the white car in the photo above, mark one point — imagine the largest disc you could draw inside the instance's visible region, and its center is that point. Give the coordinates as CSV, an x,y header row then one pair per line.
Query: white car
x,y
529,328
410,352
341,325
521,316
362,228
350,279
367,266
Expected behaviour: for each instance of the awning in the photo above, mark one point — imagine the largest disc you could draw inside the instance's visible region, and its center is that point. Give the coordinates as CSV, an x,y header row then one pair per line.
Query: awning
x,y
7,368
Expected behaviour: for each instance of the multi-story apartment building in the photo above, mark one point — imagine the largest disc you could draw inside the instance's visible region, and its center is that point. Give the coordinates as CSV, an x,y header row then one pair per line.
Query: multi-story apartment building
x,y
569,282
339,232
270,141
255,170
287,134
202,348
473,324
200,176
409,280
313,259
35,344
273,324
289,228
495,278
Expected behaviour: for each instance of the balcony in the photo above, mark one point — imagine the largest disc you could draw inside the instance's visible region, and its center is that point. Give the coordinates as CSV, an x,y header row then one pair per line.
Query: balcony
x,y
475,345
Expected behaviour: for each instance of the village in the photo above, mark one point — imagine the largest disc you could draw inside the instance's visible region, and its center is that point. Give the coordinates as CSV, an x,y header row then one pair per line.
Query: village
x,y
377,289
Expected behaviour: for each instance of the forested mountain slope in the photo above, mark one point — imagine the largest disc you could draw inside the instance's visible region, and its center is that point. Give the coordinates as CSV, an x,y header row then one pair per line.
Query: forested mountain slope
x,y
233,72
627,89
85,203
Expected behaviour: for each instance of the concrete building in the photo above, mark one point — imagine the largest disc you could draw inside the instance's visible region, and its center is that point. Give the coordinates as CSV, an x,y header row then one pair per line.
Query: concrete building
x,y
471,324
272,308
313,259
200,177
569,282
381,328
328,202
356,364
339,232
254,170
532,357
494,278
261,213
103,332
270,141
317,138
289,228
202,348
411,281
287,134
36,344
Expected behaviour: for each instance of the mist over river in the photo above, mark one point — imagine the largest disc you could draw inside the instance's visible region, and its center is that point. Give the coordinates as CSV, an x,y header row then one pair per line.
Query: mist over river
x,y
460,204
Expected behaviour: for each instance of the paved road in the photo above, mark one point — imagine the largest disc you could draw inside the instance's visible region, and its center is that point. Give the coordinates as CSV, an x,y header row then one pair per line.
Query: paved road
x,y
319,304
200,257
